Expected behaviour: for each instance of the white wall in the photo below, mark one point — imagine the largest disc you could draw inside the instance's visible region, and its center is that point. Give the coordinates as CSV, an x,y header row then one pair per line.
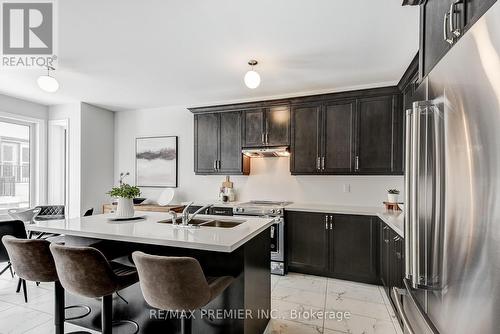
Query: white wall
x,y
57,176
97,156
270,178
23,108
91,155
72,113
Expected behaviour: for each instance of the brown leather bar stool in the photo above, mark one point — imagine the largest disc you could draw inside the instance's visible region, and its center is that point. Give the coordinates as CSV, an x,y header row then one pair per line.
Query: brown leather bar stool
x,y
32,261
85,271
177,284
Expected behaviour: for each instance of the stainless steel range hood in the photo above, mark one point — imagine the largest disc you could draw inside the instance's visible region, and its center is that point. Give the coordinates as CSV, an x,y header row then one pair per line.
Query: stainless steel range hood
x,y
267,152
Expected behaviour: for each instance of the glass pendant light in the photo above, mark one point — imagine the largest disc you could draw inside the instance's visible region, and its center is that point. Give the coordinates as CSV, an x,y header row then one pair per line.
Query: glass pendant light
x,y
47,83
252,78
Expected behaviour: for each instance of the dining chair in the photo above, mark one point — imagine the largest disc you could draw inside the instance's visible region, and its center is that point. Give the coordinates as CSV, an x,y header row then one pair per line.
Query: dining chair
x,y
25,215
15,228
89,212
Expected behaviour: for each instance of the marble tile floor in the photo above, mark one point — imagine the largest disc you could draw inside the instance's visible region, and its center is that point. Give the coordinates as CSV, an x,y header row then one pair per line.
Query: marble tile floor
x,y
302,304
347,307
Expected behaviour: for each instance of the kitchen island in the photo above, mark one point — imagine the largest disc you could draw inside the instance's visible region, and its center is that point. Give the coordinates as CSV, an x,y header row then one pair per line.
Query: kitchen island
x,y
241,251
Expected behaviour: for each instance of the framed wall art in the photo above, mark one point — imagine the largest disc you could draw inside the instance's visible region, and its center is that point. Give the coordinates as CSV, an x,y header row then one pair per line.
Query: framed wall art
x,y
156,161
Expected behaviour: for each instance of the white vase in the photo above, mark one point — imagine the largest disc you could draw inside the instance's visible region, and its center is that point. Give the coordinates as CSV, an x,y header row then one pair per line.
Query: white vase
x,y
392,198
125,208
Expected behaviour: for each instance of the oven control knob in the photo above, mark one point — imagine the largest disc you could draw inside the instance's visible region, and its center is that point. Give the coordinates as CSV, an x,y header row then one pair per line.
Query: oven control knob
x,y
278,211
272,210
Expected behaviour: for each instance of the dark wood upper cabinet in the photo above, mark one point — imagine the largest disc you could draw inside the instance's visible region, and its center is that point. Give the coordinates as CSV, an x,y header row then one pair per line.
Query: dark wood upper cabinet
x,y
338,124
230,143
217,147
433,45
254,130
375,135
268,126
206,146
308,242
278,125
358,136
474,9
354,245
305,144
347,133
322,138
435,27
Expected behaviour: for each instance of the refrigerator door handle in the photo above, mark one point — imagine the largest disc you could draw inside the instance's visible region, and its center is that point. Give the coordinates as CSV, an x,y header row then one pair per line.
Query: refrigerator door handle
x,y
399,308
408,176
436,280
415,178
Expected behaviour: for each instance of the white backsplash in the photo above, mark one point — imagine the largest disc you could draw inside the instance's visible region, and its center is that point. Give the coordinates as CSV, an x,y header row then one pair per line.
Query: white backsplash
x,y
270,178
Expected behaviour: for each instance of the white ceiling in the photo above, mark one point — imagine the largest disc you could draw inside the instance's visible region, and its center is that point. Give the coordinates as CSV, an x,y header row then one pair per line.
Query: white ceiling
x,y
143,54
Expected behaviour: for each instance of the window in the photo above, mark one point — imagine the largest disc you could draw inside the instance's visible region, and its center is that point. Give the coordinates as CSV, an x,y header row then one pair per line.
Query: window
x,y
7,152
16,186
25,161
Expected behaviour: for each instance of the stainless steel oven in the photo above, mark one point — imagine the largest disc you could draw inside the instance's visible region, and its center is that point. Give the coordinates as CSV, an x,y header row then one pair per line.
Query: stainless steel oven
x,y
278,246
277,231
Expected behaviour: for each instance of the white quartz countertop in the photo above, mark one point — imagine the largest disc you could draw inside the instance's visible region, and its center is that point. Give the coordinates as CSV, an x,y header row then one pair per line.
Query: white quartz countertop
x,y
395,219
149,231
332,208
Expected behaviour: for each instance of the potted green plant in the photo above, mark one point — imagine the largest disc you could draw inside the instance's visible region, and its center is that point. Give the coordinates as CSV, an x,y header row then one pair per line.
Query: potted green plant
x,y
125,193
392,195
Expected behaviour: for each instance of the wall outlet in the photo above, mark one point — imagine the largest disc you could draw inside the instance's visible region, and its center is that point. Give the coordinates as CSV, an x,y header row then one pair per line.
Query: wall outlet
x,y
347,188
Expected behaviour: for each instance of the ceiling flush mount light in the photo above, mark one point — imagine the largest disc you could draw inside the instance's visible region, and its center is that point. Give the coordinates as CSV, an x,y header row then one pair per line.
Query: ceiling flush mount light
x,y
252,78
48,83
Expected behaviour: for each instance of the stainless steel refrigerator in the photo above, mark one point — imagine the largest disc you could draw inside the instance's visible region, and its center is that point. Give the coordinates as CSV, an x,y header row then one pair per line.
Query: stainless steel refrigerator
x,y
452,222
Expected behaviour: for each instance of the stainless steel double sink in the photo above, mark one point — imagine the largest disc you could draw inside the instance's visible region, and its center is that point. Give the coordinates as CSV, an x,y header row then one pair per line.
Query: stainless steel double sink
x,y
195,222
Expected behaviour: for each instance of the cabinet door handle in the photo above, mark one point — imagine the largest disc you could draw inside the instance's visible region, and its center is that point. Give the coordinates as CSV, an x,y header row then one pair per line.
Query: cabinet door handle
x,y
215,164
331,222
445,29
356,163
263,138
267,138
454,30
219,163
322,163
318,163
326,222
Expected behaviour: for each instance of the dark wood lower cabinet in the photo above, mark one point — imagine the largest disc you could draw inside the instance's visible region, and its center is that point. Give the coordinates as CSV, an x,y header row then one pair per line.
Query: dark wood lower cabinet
x,y
339,246
384,260
352,247
391,260
354,243
308,242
